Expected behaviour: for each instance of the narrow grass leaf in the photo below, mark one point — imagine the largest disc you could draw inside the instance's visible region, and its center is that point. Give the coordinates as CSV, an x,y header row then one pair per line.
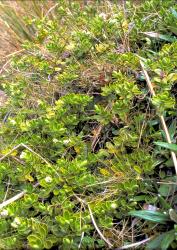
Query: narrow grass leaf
x,y
172,129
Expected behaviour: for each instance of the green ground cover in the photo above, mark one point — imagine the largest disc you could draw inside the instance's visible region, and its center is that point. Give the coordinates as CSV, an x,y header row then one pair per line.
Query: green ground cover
x,y
83,150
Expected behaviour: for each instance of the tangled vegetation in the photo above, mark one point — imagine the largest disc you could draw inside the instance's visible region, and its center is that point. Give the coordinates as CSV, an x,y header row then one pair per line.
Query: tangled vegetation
x,y
84,163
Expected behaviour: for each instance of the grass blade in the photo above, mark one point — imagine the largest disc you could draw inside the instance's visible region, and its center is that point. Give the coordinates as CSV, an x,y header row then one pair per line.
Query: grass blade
x,y
169,146
153,216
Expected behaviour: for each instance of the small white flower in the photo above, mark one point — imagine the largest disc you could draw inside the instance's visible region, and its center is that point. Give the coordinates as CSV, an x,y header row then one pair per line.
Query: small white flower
x,y
114,205
16,222
113,21
55,140
48,179
70,46
13,122
23,155
103,15
66,141
4,213
86,32
39,102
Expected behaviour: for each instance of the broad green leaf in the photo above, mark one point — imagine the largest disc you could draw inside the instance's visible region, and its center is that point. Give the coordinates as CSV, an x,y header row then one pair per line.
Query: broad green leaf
x,y
153,216
157,35
168,238
155,243
162,241
170,146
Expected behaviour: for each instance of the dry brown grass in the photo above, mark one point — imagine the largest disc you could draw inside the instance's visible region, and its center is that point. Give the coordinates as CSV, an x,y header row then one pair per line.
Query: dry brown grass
x,y
8,40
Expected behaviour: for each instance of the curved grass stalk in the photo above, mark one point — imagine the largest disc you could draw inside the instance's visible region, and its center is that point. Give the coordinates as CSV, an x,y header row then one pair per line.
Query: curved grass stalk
x,y
151,89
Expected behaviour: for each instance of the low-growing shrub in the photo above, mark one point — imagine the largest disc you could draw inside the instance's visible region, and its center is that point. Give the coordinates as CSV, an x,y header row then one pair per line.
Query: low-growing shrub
x,y
77,133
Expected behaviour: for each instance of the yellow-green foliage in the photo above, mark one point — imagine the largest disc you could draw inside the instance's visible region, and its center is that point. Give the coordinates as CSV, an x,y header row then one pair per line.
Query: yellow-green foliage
x,y
80,118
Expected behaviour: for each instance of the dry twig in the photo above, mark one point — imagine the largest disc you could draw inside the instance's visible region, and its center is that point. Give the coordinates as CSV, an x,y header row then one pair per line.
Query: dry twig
x,y
28,148
11,200
97,229
15,198
137,244
51,9
96,137
21,194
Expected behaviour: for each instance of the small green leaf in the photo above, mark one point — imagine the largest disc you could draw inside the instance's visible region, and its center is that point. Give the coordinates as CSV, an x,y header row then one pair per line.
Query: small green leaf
x,y
165,204
153,216
41,229
170,146
172,129
48,244
137,169
35,242
140,198
164,190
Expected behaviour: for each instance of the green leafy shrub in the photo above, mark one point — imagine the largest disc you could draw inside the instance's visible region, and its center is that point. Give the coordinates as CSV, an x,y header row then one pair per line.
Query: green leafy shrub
x,y
77,133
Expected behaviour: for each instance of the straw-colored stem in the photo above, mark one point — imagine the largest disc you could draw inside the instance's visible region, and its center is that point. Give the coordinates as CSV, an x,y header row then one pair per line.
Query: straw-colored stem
x,y
15,198
94,222
151,89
